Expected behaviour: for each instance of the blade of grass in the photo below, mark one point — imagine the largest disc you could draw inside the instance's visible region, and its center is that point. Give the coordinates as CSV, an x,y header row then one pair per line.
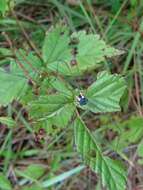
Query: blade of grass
x,y
62,177
87,16
115,17
3,147
67,9
27,178
8,155
64,12
133,47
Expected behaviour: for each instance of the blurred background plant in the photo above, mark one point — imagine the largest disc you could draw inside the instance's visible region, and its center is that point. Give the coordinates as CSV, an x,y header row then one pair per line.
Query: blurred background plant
x,y
53,164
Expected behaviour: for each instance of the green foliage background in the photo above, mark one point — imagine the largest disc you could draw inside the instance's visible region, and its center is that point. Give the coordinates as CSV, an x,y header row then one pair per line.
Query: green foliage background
x,y
47,59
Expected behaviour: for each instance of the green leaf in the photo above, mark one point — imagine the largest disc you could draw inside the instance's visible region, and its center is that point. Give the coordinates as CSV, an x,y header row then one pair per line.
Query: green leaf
x,y
61,86
112,173
4,183
104,94
63,117
7,121
31,63
3,6
91,51
14,83
55,48
32,172
49,106
11,87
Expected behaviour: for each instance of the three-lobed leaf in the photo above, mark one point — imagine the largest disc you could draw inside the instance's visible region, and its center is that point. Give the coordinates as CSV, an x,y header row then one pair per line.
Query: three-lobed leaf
x,y
92,51
58,52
